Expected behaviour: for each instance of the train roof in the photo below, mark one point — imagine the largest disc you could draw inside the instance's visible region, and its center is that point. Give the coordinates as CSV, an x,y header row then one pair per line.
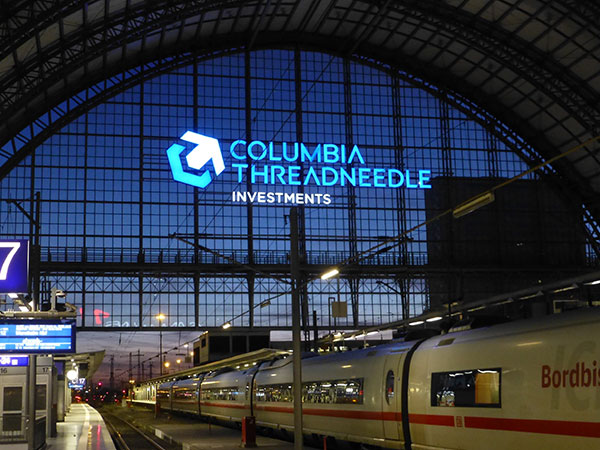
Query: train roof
x,y
523,326
235,362
280,358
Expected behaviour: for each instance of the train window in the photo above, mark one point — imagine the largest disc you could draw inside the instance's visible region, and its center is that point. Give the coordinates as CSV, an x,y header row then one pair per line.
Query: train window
x,y
40,397
471,388
337,391
219,394
183,393
163,393
389,387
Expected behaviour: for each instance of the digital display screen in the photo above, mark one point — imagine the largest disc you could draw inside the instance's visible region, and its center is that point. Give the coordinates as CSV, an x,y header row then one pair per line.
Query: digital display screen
x,y
34,336
14,266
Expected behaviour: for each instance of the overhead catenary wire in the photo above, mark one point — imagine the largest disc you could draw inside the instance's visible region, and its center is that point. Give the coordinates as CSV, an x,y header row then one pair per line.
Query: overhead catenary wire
x,y
365,254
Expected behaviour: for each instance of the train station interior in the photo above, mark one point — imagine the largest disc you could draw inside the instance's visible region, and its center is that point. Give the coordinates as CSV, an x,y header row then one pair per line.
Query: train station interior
x,y
300,224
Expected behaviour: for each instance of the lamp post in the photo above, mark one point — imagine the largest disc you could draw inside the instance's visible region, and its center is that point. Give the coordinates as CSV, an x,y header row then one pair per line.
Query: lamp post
x,y
160,317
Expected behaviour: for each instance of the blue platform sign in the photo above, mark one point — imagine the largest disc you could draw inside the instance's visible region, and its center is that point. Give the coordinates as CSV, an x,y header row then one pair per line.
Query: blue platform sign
x,y
14,361
77,384
35,336
14,266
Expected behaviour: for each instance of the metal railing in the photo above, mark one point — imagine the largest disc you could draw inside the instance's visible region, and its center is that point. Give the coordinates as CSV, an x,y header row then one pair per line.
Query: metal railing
x,y
260,257
13,428
263,257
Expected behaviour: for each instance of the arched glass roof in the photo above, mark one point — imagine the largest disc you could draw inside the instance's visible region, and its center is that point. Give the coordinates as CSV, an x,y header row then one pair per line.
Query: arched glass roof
x,y
110,205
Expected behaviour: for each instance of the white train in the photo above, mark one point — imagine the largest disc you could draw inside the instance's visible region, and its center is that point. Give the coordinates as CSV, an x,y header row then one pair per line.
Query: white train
x,y
531,384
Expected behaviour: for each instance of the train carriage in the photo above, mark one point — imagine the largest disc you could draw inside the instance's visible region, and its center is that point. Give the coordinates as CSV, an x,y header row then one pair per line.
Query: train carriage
x,y
163,396
185,395
226,395
492,388
531,384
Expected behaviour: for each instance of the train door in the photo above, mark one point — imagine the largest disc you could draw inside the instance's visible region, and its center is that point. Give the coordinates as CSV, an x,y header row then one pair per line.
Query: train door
x,y
392,422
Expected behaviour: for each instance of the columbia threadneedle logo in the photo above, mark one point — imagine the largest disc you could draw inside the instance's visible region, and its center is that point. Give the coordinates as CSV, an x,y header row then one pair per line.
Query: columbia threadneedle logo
x,y
207,149
273,169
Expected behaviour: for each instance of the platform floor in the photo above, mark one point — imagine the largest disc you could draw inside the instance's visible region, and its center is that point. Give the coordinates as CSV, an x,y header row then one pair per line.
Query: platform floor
x,y
82,429
193,434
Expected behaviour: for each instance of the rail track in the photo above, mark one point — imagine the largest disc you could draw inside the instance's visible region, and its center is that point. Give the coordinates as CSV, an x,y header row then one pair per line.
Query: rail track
x,y
127,436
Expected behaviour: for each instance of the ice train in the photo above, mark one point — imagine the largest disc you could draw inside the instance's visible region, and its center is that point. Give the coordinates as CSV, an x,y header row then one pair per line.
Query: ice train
x,y
530,384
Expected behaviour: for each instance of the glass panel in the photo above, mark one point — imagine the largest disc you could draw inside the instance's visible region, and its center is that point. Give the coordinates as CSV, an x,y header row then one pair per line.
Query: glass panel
x,y
471,388
13,398
338,391
11,422
119,203
487,387
389,387
40,397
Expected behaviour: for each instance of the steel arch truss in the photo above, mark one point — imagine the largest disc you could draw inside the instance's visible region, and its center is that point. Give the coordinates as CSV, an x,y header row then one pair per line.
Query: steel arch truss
x,y
52,51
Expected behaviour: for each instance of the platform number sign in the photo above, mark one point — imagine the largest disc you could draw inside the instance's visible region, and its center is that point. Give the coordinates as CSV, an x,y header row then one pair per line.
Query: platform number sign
x,y
14,265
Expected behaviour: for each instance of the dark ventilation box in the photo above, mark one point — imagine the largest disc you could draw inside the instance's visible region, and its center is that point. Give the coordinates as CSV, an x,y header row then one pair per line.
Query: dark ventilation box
x,y
213,346
515,242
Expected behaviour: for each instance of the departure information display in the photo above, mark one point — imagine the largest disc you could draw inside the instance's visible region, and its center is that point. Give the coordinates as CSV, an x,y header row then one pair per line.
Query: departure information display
x,y
35,336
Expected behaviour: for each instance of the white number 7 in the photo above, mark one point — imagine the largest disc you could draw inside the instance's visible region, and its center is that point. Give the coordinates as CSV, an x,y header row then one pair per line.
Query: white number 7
x,y
6,264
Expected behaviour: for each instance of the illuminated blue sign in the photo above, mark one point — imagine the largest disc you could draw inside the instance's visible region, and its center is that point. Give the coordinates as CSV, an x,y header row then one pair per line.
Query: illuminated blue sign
x,y
14,266
207,149
77,384
323,175
13,361
34,336
288,164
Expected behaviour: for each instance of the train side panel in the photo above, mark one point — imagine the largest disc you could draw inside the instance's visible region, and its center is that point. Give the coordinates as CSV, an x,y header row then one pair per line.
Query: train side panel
x,y
344,395
163,395
529,384
185,395
224,396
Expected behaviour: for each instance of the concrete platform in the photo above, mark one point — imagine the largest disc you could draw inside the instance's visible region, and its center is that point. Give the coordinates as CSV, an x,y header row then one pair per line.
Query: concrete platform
x,y
82,429
193,434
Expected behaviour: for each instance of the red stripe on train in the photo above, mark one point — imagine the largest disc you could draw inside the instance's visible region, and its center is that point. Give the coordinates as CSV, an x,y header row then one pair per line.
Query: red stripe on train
x,y
557,427
345,414
431,419
566,428
224,405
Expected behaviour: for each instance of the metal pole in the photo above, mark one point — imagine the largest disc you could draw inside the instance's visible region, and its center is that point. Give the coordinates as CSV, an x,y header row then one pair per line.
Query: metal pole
x,y
160,359
315,331
130,368
339,301
112,373
297,357
329,312
35,291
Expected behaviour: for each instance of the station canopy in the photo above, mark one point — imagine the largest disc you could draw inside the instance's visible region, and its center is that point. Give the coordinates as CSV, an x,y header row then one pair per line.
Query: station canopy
x,y
534,65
